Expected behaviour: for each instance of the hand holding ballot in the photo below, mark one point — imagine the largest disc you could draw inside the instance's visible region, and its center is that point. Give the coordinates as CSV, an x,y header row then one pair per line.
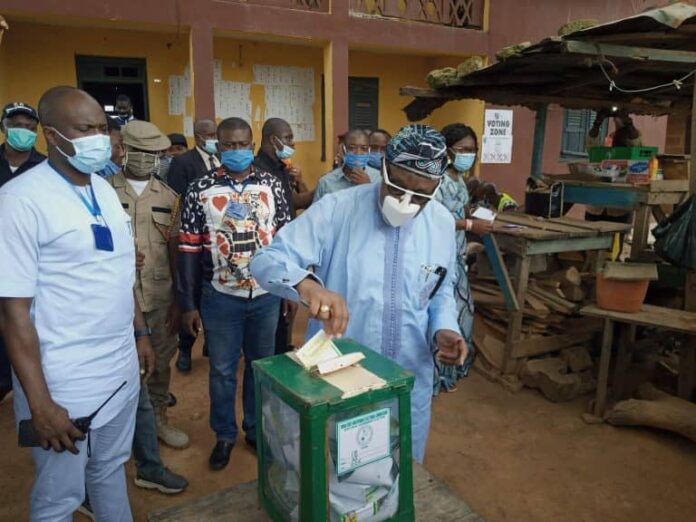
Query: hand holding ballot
x,y
324,305
452,347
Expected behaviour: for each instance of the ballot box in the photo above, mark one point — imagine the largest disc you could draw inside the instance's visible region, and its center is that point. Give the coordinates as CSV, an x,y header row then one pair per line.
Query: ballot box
x,y
334,447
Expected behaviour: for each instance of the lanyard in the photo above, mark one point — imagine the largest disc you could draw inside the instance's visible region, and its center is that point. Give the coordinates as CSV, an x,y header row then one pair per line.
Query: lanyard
x,y
93,206
246,181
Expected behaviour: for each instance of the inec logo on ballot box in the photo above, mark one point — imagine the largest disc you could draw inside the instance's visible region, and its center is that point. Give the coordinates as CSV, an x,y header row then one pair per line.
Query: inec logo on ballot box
x,y
362,440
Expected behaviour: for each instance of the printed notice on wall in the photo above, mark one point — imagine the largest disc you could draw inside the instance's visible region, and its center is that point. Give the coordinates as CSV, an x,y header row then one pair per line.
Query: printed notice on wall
x,y
176,95
362,440
289,94
496,145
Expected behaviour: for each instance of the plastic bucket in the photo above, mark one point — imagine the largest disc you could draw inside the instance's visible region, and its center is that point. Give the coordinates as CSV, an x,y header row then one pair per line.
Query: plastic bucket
x,y
621,296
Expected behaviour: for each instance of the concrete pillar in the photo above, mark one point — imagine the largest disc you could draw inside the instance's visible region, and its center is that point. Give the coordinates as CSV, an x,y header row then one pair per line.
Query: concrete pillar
x,y
336,91
201,62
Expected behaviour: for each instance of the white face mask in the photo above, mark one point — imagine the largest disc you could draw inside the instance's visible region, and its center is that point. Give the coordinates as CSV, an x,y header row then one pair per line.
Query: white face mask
x,y
398,212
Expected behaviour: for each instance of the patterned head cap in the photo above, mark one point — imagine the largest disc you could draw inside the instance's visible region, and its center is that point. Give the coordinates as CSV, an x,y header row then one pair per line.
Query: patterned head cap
x,y
419,149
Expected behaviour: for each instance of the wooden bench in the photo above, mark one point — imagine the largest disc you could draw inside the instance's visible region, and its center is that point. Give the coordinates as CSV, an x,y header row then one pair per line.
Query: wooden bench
x,y
653,316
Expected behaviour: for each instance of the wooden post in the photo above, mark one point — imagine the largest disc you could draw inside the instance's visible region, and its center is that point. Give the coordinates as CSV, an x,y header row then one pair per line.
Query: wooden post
x,y
514,329
603,378
539,135
641,230
690,286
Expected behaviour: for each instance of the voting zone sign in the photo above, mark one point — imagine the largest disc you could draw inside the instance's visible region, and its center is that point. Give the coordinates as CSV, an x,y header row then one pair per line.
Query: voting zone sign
x,y
497,137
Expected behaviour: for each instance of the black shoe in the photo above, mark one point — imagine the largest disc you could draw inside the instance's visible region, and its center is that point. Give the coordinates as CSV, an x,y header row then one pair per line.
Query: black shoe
x,y
171,400
163,481
183,362
251,443
220,456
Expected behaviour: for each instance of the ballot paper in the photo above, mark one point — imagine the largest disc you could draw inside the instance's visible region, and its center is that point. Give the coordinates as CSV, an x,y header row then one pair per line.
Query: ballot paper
x,y
484,213
318,349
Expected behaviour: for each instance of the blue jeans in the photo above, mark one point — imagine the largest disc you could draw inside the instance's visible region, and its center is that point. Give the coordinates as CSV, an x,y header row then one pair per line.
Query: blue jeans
x,y
145,445
232,325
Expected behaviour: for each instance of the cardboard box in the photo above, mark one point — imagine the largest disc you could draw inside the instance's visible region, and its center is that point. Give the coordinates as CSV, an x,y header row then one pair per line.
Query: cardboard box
x,y
638,171
626,171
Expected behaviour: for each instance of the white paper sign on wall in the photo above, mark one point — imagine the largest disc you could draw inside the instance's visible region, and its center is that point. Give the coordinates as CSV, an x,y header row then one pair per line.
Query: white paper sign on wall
x,y
496,144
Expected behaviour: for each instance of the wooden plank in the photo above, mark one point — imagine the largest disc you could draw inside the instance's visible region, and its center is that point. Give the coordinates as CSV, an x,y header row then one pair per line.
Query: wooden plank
x,y
500,271
649,315
598,226
641,230
666,198
569,245
578,193
536,222
538,345
525,231
603,378
630,52
669,185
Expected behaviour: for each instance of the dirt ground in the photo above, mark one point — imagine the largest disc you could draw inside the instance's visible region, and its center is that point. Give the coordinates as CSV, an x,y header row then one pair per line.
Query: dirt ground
x,y
511,457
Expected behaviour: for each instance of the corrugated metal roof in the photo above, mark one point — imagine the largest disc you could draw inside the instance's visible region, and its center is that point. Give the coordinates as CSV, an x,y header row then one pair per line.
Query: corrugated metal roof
x,y
643,51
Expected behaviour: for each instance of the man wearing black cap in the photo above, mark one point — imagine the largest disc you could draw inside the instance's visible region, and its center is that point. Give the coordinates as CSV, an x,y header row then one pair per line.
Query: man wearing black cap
x,y
18,124
17,154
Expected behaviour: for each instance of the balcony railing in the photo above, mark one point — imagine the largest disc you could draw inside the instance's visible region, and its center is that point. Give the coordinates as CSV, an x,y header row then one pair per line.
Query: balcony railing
x,y
320,6
453,13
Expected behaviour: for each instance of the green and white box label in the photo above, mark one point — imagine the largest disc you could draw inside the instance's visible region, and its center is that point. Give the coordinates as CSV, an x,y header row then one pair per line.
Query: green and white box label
x,y
362,440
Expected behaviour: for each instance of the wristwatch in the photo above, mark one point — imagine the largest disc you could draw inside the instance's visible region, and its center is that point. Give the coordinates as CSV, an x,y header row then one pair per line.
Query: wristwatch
x,y
147,332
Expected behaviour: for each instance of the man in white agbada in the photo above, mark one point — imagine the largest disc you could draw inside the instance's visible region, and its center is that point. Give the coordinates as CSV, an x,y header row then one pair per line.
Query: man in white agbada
x,y
386,253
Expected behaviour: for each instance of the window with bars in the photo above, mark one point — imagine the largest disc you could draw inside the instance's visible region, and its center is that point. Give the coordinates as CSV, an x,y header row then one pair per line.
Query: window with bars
x,y
576,126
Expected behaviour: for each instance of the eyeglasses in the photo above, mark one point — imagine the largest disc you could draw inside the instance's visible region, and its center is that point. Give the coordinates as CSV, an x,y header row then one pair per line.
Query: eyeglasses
x,y
419,198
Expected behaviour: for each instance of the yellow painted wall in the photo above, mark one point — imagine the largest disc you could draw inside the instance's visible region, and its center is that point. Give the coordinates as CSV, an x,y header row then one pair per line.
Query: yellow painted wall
x,y
41,56
394,71
238,58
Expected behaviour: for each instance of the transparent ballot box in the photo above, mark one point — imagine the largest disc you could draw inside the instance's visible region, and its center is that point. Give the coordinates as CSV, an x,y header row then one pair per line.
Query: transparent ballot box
x,y
334,448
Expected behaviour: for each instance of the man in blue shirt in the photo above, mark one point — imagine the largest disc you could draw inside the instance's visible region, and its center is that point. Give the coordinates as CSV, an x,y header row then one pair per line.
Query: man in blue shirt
x,y
354,171
386,253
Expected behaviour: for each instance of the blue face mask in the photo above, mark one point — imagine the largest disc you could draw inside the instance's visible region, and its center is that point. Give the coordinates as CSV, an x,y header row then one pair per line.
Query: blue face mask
x,y
20,139
355,161
210,146
464,161
237,160
375,160
92,153
285,152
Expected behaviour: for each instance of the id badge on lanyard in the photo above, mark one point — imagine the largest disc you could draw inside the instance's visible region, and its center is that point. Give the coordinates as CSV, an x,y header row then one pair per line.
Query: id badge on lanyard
x,y
103,240
102,237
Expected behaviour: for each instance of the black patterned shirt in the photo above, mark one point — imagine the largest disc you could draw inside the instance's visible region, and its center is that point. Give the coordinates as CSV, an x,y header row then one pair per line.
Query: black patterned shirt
x,y
223,224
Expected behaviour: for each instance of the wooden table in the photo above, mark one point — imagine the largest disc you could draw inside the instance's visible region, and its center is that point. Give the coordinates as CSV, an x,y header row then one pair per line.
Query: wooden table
x,y
654,316
433,501
643,199
523,236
